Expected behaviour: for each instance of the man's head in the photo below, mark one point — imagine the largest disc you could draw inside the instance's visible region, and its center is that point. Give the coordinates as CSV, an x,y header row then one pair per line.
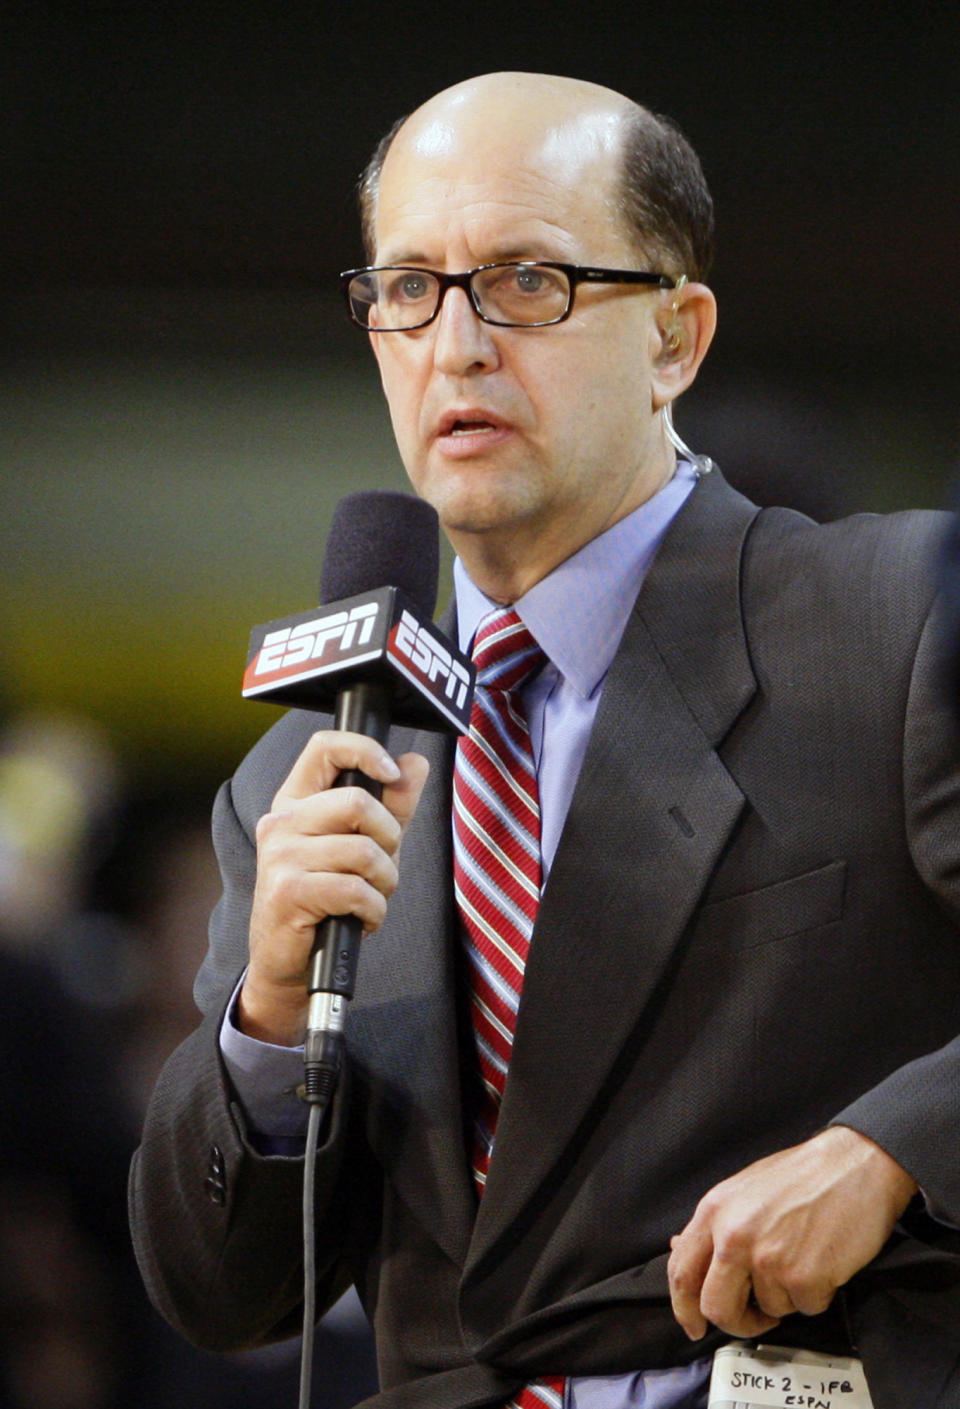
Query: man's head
x,y
532,440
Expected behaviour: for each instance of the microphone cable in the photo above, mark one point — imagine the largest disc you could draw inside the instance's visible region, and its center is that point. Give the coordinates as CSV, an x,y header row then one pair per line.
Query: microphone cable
x,y
318,1110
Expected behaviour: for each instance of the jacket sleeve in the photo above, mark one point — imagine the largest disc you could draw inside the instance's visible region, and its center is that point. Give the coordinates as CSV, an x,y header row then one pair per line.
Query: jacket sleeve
x,y
217,1226
915,1113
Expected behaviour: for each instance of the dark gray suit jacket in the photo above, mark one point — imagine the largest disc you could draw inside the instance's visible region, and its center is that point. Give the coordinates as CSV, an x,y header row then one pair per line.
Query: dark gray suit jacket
x,y
750,930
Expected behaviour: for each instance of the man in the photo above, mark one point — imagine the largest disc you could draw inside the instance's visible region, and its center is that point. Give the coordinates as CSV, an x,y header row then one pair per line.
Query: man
x,y
733,1068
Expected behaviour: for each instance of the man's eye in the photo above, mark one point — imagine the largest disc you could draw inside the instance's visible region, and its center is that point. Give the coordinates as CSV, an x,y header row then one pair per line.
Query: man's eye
x,y
513,280
410,287
530,281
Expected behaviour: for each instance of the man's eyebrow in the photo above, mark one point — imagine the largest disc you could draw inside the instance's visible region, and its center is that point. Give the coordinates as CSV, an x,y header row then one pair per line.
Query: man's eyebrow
x,y
512,253
403,259
505,254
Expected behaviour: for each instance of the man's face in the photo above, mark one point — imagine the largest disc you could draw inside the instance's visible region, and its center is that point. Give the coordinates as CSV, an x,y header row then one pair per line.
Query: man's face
x,y
526,440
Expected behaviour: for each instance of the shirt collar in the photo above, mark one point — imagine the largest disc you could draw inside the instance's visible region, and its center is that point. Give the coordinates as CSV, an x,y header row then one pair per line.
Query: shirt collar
x,y
578,612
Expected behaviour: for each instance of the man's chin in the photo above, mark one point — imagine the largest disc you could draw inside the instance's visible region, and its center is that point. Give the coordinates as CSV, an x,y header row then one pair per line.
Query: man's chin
x,y
475,503
479,520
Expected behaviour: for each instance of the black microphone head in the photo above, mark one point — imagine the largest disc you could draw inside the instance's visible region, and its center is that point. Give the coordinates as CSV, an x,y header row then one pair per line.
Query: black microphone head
x,y
382,538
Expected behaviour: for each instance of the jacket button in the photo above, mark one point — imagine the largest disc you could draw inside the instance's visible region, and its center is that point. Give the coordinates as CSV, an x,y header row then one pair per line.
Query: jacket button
x,y
215,1183
216,1193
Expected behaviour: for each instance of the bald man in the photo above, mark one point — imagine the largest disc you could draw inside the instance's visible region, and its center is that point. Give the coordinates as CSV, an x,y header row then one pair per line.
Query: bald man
x,y
732,1097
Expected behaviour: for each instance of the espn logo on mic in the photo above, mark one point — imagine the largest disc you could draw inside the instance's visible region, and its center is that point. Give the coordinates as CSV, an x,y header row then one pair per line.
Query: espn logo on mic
x,y
301,660
290,647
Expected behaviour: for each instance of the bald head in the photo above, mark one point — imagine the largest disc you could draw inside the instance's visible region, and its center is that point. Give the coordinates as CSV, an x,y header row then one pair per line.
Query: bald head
x,y
552,119
638,165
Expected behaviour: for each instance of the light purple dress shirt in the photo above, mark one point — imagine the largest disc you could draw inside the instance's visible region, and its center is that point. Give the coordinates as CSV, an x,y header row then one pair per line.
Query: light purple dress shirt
x,y
577,615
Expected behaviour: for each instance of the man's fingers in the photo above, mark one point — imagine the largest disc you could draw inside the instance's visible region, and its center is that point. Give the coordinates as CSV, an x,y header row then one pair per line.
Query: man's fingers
x,y
690,1254
708,1288
769,1296
304,858
346,810
342,893
782,1286
729,1300
403,796
332,751
337,812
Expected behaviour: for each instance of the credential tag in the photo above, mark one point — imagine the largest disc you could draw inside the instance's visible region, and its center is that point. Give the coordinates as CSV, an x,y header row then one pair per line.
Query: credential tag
x,y
775,1377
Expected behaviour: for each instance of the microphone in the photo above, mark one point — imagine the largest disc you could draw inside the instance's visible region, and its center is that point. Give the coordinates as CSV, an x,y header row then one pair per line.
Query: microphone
x,y
371,655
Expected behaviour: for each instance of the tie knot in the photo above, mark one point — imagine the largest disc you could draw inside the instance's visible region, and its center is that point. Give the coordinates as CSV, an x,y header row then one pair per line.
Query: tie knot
x,y
504,652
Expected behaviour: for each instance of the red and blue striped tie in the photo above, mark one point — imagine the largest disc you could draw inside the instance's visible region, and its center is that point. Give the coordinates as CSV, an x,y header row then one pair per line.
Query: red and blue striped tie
x,y
497,875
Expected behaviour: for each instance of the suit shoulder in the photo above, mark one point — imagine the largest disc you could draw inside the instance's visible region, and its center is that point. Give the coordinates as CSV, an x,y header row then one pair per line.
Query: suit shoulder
x,y
854,595
877,556
270,760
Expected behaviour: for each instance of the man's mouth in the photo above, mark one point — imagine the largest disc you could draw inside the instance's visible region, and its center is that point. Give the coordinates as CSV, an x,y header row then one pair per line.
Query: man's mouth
x,y
470,420
470,427
470,431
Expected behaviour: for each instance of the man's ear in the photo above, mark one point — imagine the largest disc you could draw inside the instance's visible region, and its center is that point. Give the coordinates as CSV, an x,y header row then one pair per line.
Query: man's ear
x,y
685,324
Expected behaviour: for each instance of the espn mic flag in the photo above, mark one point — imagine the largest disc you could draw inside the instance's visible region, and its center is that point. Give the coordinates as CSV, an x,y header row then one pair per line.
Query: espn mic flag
x,y
376,636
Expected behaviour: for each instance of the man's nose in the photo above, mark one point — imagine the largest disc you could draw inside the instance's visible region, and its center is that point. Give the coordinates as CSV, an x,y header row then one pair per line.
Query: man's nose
x,y
463,342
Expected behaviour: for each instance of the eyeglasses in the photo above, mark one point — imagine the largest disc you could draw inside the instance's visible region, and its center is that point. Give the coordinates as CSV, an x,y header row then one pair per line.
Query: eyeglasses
x,y
529,294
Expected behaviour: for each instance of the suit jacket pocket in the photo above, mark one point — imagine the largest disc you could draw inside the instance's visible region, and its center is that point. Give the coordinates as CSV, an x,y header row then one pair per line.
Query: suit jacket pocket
x,y
776,911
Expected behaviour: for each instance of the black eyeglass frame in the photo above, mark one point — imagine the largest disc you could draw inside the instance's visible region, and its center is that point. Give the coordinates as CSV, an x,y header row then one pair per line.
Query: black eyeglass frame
x,y
577,274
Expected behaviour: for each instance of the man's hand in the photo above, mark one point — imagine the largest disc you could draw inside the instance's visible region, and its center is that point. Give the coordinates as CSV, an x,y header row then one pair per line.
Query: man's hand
x,y
321,851
785,1233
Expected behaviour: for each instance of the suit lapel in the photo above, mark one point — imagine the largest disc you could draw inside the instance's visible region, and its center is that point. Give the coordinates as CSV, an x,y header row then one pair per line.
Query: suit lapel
x,y
652,811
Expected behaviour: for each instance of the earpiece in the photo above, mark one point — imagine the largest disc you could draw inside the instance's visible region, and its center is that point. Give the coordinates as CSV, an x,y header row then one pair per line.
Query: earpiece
x,y
674,333
672,340
702,464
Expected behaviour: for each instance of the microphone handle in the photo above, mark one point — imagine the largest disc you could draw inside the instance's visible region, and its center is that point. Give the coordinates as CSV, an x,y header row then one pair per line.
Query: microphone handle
x,y
361,708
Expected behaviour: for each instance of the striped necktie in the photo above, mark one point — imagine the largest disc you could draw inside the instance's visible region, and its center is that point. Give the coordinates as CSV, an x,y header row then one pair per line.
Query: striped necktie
x,y
497,875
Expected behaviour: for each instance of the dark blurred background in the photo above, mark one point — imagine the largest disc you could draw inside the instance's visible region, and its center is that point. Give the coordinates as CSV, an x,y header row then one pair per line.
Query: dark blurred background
x,y
183,402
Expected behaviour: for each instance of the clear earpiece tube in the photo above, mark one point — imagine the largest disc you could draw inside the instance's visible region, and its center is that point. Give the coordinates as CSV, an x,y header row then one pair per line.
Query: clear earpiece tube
x,y
701,463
